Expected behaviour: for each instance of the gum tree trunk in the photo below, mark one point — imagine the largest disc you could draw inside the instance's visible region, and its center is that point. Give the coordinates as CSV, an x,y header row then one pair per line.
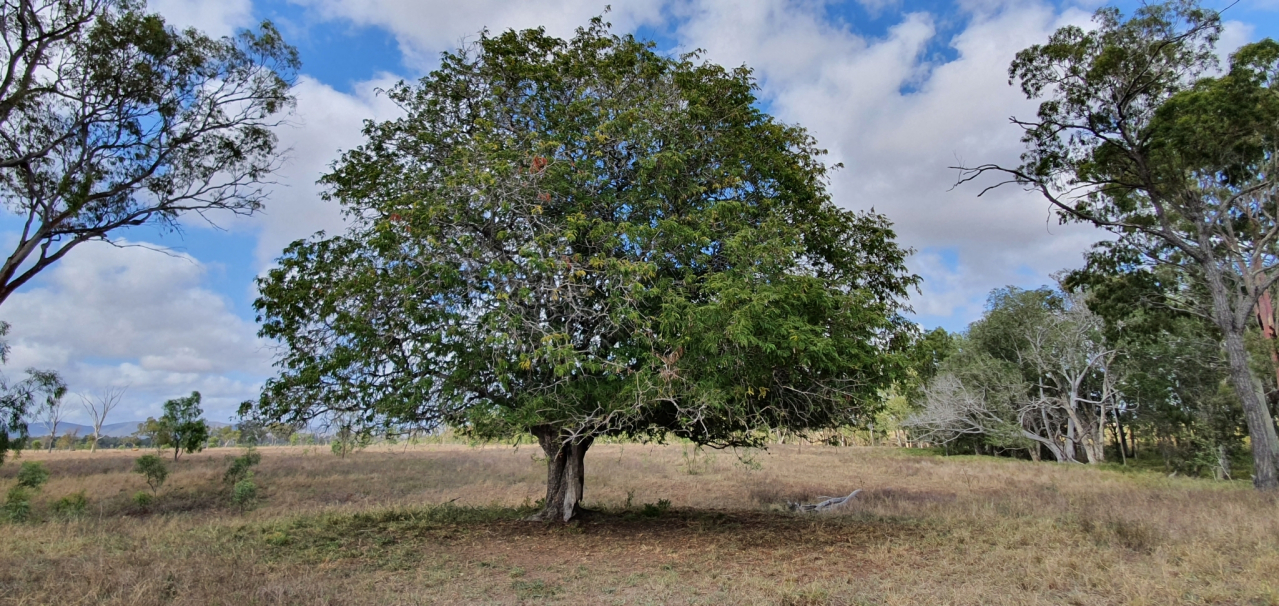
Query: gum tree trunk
x,y
1261,427
565,473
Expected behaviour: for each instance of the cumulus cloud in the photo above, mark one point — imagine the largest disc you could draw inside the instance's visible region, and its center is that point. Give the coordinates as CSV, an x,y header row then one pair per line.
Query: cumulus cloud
x,y
213,17
139,318
423,29
897,121
326,123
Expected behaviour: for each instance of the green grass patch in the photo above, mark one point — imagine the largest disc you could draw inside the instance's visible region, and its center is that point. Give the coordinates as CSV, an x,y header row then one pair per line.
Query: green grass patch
x,y
382,539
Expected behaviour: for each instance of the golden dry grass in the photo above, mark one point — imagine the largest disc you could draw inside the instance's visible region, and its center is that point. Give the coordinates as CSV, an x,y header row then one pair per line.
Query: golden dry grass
x,y
371,529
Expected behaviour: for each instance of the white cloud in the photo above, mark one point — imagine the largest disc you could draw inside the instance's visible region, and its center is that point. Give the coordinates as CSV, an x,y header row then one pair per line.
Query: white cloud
x,y
877,7
213,17
327,122
424,28
898,122
141,318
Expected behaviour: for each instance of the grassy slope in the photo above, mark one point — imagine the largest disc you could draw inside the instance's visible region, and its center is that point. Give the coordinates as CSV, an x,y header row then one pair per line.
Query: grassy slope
x,y
371,529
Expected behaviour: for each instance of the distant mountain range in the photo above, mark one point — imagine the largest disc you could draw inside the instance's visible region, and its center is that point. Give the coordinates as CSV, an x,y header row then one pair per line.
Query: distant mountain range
x,y
111,430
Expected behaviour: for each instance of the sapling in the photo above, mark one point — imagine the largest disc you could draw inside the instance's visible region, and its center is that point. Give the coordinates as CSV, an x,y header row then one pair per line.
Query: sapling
x,y
153,469
244,492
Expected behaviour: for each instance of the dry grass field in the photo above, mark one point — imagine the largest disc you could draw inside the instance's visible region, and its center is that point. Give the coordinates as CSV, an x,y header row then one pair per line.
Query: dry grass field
x,y
440,525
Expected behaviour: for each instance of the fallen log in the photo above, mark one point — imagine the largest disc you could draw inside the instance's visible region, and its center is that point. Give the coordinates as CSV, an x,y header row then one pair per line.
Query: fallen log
x,y
826,504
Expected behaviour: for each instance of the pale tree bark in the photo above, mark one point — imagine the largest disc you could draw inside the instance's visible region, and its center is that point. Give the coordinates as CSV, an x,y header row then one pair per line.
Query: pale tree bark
x,y
565,473
52,414
1076,377
99,407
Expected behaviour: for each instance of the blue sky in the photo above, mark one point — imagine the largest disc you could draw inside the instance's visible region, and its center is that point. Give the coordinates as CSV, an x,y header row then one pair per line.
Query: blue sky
x,y
897,90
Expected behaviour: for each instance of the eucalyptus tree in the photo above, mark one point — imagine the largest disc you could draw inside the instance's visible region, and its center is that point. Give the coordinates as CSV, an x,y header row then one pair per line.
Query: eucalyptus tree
x,y
50,411
582,238
1136,136
109,118
1035,370
1172,364
19,399
181,426
99,406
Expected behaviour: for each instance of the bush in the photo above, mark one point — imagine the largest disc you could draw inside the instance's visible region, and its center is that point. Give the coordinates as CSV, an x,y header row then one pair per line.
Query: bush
x,y
153,469
32,475
17,504
245,493
241,467
73,505
142,499
655,511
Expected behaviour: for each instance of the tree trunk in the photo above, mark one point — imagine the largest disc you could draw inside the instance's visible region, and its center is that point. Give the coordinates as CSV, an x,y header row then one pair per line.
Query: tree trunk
x,y
565,473
1053,449
1070,440
1261,427
1119,439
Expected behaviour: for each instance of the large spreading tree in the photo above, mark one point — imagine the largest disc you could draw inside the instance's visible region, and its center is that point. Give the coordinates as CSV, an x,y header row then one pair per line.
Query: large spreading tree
x,y
583,238
1136,134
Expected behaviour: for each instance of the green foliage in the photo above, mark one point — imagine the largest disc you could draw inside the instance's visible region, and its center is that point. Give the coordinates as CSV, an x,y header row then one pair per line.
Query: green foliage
x,y
67,441
72,505
585,235
18,398
153,469
32,475
155,432
651,510
138,123
181,426
245,493
241,467
1035,369
143,499
347,439
17,504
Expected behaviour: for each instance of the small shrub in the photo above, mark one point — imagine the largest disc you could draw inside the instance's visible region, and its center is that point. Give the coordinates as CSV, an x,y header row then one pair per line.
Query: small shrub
x,y
142,499
73,505
245,493
653,511
17,504
32,475
278,538
153,469
241,467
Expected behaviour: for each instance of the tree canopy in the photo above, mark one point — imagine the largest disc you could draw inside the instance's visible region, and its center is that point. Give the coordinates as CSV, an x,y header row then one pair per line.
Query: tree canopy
x,y
579,238
110,118
181,426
